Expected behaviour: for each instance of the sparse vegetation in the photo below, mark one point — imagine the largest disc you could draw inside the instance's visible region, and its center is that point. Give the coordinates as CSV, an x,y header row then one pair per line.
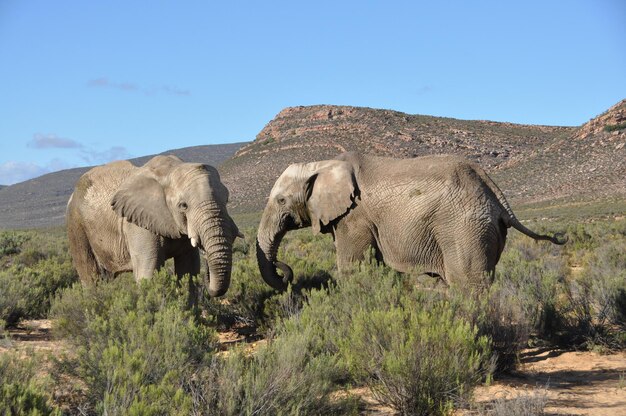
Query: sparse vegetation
x,y
22,392
137,347
614,127
416,347
532,404
34,267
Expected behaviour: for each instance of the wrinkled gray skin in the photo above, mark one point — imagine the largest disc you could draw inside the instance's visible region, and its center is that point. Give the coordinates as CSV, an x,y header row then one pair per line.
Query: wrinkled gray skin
x,y
123,218
442,214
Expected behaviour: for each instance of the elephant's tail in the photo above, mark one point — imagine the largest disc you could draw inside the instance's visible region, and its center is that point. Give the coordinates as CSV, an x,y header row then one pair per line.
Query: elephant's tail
x,y
511,220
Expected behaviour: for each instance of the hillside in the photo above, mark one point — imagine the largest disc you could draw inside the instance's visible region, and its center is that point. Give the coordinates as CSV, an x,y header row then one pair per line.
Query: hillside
x,y
531,163
589,163
40,202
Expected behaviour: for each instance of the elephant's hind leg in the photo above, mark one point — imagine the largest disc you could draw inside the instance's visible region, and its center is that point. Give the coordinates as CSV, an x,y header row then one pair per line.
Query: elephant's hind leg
x,y
468,265
83,255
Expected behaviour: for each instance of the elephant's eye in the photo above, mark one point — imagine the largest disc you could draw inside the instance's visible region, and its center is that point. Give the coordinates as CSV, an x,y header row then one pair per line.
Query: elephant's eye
x,y
182,206
281,200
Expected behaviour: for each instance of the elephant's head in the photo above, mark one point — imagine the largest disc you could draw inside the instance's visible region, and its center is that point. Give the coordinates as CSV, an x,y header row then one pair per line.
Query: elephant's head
x,y
310,194
176,199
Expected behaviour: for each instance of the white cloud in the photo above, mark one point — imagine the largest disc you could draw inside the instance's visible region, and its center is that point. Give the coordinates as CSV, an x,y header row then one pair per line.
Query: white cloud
x,y
132,87
12,172
97,157
52,141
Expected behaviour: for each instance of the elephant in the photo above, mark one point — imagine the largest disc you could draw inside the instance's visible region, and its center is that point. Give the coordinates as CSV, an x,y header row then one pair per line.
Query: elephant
x,y
123,218
442,214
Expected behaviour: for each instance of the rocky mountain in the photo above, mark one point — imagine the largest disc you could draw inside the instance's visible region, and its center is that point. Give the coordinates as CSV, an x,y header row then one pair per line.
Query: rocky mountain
x,y
547,165
532,164
587,164
40,202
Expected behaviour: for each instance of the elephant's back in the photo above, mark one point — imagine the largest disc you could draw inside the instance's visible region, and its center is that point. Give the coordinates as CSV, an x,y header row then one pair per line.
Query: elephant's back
x,y
93,192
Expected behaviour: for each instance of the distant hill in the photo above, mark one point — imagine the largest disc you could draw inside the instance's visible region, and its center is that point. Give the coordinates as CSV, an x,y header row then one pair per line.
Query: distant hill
x,y
589,163
532,164
40,202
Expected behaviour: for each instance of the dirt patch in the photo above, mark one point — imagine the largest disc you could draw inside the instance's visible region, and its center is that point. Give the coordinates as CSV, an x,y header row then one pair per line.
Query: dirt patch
x,y
570,382
34,335
244,335
575,383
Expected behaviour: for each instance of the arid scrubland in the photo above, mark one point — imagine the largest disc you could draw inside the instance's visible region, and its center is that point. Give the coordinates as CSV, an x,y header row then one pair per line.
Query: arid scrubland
x,y
416,346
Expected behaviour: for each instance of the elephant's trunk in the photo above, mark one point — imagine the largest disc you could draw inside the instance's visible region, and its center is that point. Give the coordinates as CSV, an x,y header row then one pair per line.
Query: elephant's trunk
x,y
267,244
215,232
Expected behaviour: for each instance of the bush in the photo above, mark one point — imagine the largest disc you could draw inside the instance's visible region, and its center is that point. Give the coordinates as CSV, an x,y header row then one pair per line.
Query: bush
x,y
418,360
597,298
11,242
281,378
412,348
20,391
26,292
523,299
531,404
37,266
137,345
614,127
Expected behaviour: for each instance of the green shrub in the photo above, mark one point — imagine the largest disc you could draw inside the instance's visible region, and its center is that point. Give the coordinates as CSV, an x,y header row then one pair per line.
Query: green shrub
x,y
11,242
137,345
21,393
412,348
614,127
418,360
597,298
36,265
523,299
283,377
19,399
26,292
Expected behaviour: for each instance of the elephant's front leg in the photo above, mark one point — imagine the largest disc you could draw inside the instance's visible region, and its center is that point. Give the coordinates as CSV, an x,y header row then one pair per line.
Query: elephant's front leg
x,y
351,242
144,250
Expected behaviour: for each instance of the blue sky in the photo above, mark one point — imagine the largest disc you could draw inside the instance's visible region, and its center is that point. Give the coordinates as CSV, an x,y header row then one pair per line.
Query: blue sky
x,y
86,82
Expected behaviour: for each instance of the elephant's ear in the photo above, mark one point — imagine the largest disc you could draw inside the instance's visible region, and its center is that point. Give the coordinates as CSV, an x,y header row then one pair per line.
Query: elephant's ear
x,y
331,192
141,200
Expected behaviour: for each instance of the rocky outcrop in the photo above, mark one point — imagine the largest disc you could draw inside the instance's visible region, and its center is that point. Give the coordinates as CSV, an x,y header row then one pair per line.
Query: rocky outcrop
x,y
612,121
308,133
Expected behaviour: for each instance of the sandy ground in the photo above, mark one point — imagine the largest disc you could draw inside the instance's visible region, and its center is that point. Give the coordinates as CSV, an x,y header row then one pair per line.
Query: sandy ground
x,y
572,382
33,335
575,383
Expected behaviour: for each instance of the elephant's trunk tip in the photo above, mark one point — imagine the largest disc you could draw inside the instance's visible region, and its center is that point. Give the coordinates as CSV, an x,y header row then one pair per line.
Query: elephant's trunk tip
x,y
216,293
560,238
287,271
268,268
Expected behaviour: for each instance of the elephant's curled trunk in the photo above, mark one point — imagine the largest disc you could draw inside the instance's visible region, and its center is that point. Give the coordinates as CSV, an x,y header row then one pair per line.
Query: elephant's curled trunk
x,y
268,267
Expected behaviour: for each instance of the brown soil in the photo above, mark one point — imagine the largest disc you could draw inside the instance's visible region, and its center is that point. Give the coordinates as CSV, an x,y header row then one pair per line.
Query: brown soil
x,y
575,383
35,336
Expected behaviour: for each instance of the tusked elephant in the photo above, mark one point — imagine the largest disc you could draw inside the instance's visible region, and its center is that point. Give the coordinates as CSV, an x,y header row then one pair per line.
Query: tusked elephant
x,y
440,213
125,218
